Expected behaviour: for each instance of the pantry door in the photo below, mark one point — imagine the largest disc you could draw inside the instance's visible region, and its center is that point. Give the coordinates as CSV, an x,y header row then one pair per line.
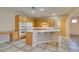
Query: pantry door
x,y
63,22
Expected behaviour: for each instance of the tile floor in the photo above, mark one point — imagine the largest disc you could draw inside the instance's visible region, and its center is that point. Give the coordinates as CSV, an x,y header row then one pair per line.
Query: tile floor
x,y
20,46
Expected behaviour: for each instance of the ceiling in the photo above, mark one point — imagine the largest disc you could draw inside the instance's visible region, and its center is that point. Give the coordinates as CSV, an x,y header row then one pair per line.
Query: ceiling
x,y
48,11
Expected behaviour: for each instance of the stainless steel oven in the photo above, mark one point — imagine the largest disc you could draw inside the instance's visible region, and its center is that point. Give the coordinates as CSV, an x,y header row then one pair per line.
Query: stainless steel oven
x,y
22,25
22,32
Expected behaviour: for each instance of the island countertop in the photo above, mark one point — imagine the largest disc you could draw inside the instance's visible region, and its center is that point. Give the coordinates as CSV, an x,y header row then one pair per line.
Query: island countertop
x,y
48,29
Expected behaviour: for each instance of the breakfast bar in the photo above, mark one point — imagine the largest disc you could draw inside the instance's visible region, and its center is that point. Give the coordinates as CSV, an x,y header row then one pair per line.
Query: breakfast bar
x,y
38,36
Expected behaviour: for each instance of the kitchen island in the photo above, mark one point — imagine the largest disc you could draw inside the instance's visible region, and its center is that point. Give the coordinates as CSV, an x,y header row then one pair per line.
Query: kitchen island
x,y
38,36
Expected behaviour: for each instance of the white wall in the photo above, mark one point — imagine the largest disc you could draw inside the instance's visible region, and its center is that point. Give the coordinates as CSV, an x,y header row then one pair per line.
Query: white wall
x,y
7,20
73,28
4,38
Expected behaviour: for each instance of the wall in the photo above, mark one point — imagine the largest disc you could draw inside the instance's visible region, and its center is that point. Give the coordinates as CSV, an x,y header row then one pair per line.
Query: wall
x,y
7,20
73,28
4,38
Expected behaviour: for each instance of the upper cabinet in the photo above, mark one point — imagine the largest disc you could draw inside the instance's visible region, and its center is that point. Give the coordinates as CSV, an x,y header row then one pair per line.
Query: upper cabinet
x,y
40,22
20,19
17,20
25,19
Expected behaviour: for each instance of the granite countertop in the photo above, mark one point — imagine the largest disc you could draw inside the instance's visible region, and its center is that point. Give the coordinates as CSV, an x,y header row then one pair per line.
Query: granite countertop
x,y
42,29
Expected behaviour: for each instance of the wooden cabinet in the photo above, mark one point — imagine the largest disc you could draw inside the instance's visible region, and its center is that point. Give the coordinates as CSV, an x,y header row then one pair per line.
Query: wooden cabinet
x,y
21,19
14,36
63,25
38,22
29,38
17,20
24,20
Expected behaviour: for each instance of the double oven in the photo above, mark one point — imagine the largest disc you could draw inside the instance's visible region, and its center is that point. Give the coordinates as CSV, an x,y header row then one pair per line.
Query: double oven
x,y
22,29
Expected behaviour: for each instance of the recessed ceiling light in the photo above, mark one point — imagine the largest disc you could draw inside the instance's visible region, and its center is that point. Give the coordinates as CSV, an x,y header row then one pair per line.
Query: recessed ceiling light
x,y
33,11
42,9
54,14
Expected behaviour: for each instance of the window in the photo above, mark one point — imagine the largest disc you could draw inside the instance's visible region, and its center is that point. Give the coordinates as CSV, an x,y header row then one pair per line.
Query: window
x,y
74,20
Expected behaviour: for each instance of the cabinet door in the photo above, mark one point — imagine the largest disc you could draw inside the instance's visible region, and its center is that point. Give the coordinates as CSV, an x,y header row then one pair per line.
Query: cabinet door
x,y
17,22
63,26
24,20
29,38
20,19
14,36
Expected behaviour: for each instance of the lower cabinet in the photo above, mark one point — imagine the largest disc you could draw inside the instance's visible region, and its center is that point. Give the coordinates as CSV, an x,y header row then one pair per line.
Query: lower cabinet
x,y
29,38
14,36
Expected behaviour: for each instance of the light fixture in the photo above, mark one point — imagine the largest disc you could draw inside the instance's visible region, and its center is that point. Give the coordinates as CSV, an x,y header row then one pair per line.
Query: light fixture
x,y
33,7
74,20
53,14
44,24
42,9
33,11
